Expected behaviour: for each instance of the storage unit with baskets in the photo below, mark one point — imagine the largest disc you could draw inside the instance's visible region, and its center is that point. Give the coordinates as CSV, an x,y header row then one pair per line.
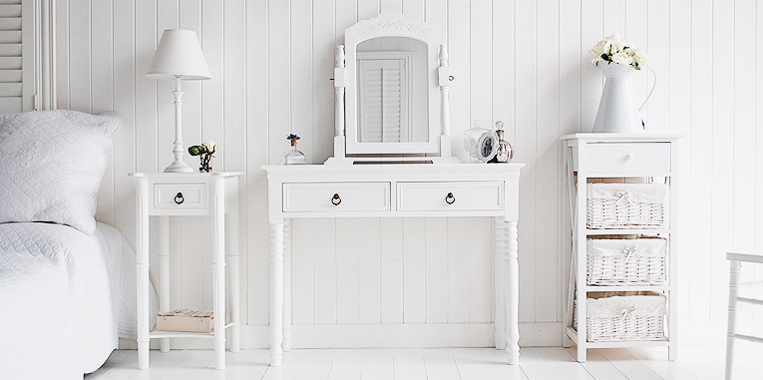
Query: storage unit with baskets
x,y
620,225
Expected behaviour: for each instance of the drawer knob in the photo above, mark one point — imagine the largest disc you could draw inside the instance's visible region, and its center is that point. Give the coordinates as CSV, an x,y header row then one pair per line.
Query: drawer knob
x,y
336,200
179,198
450,199
629,157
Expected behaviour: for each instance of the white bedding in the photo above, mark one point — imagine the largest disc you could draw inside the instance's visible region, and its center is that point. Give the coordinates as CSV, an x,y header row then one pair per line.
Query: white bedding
x,y
65,299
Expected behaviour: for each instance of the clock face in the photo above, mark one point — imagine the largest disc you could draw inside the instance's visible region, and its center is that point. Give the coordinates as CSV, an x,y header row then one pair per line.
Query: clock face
x,y
487,147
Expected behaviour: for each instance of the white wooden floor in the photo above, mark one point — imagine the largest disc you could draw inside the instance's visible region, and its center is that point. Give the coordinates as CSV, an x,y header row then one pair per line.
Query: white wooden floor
x,y
536,363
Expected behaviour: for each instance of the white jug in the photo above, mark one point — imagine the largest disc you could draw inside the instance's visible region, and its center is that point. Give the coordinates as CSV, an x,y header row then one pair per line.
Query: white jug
x,y
617,112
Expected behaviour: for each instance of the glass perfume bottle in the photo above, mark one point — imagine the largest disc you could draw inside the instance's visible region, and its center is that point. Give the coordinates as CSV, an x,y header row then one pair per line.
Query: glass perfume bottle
x,y
293,156
505,151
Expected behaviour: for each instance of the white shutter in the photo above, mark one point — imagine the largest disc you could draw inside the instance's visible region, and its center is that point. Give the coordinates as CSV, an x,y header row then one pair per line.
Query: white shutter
x,y
16,56
383,91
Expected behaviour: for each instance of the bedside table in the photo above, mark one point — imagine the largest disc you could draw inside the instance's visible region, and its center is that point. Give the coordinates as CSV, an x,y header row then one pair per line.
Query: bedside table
x,y
188,194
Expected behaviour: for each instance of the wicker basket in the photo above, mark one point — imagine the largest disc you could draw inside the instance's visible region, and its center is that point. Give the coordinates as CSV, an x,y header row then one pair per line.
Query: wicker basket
x,y
627,205
624,318
619,261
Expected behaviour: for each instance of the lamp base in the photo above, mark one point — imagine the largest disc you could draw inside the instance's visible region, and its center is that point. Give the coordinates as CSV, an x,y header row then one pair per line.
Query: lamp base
x,y
178,167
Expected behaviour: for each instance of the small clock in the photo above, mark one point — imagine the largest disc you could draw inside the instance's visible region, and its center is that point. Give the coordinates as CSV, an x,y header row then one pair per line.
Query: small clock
x,y
480,143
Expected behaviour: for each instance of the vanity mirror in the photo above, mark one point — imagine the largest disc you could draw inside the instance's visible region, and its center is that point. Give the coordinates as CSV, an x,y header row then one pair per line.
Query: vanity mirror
x,y
391,84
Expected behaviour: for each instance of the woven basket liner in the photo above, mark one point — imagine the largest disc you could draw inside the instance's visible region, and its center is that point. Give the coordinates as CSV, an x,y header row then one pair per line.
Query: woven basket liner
x,y
627,206
627,328
631,326
626,261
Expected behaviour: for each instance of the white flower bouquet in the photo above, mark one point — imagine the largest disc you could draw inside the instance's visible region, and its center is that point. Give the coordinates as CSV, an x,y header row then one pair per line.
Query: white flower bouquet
x,y
615,49
205,152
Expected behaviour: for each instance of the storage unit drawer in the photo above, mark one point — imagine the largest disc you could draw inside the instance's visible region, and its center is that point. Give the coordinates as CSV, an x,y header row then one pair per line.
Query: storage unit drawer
x,y
180,196
448,196
336,197
629,157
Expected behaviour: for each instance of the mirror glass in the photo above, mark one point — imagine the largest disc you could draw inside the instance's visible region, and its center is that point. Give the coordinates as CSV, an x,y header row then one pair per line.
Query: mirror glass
x,y
392,90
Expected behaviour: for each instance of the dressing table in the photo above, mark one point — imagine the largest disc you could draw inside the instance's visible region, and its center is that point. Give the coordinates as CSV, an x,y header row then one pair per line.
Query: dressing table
x,y
394,161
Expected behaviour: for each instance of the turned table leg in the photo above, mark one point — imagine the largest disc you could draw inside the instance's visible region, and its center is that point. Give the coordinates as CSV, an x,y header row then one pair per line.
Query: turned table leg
x,y
500,283
512,293
276,293
286,285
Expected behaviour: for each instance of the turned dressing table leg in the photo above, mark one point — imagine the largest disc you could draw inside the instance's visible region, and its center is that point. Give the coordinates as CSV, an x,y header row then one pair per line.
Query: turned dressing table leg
x,y
512,294
276,293
500,283
286,285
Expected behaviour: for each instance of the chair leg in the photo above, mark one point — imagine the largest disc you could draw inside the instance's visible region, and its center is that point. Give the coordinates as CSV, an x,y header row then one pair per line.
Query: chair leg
x,y
733,294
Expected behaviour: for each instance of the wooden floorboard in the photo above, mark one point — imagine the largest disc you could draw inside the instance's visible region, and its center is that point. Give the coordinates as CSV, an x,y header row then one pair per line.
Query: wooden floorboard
x,y
598,366
629,365
347,365
536,363
485,363
441,365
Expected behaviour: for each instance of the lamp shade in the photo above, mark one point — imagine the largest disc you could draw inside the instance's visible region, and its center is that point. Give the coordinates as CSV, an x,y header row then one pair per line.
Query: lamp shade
x,y
179,55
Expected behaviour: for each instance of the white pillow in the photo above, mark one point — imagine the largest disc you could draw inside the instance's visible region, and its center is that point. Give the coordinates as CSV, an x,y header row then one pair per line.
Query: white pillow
x,y
51,165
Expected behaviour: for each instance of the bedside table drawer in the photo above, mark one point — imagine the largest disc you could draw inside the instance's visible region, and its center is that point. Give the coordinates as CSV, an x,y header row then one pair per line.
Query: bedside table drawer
x,y
336,197
180,196
629,157
449,196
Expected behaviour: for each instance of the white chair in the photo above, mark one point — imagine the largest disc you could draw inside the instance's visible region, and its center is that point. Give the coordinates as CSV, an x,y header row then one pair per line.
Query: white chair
x,y
736,263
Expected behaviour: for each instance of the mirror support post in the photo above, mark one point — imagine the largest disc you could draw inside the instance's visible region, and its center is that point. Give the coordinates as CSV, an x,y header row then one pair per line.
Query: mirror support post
x,y
339,88
443,78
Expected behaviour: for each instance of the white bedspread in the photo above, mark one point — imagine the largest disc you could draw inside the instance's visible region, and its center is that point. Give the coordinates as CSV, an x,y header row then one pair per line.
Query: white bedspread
x,y
65,298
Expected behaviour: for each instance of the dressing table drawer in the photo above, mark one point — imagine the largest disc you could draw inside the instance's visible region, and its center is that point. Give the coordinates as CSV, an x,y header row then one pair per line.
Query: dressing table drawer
x,y
336,197
629,158
449,196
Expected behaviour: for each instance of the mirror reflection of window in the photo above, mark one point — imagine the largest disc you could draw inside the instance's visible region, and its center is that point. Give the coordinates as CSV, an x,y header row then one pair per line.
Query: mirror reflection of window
x,y
383,97
392,90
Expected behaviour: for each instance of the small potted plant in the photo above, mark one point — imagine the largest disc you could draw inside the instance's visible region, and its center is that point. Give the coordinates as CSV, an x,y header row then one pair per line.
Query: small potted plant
x,y
205,152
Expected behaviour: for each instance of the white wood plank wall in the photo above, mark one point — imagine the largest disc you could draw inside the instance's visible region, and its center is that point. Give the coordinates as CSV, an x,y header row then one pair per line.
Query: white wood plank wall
x,y
522,62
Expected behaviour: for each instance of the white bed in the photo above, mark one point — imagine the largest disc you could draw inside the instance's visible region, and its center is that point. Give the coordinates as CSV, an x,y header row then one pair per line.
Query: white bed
x,y
66,298
67,283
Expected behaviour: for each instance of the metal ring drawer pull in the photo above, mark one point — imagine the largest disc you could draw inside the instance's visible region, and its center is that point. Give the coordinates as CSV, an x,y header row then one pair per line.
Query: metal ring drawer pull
x,y
179,198
336,200
450,199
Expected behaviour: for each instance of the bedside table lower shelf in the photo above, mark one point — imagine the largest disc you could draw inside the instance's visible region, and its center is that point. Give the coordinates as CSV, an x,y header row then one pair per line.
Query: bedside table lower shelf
x,y
180,334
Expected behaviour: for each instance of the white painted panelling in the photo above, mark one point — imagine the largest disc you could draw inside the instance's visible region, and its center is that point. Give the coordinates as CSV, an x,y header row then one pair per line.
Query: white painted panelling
x,y
369,270
255,245
391,270
524,62
701,143
414,270
526,102
347,276
722,154
758,143
547,250
679,111
437,271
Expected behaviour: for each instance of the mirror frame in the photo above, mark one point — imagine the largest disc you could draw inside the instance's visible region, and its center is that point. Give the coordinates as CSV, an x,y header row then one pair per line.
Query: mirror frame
x,y
390,24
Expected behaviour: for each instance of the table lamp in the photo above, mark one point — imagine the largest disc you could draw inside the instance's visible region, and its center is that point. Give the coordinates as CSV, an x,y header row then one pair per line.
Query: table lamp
x,y
178,57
